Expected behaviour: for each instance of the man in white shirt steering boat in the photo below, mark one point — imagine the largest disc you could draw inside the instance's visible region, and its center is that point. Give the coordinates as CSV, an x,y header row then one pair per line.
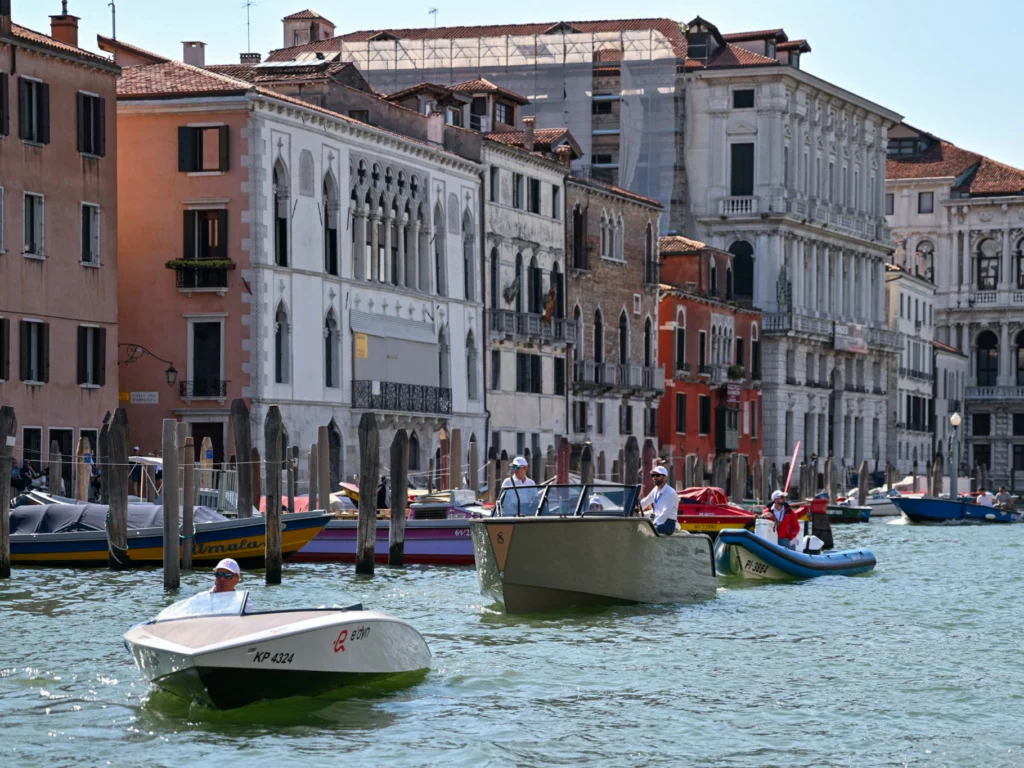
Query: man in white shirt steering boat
x,y
662,503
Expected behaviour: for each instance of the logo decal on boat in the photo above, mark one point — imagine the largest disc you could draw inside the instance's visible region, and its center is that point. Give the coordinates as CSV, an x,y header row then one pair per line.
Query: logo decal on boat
x,y
501,537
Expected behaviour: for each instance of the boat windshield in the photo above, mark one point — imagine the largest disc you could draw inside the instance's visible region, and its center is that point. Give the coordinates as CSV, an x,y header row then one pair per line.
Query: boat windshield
x,y
570,501
206,604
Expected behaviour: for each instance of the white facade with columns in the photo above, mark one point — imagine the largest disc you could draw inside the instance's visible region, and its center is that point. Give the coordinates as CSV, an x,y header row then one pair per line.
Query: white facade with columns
x,y
364,284
973,239
811,217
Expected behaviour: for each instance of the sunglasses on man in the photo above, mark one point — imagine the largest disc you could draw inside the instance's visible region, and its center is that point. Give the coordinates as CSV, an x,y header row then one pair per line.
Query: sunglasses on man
x,y
225,575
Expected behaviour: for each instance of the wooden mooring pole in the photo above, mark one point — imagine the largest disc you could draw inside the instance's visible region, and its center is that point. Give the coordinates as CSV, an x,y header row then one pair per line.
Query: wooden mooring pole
x,y
8,427
54,477
103,461
257,479
399,497
243,450
313,476
369,471
272,431
116,480
188,494
323,468
172,575
82,470
292,459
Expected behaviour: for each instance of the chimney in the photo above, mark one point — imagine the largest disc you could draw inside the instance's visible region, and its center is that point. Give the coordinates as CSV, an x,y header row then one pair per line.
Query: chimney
x,y
63,28
5,17
194,53
435,127
250,58
528,123
564,154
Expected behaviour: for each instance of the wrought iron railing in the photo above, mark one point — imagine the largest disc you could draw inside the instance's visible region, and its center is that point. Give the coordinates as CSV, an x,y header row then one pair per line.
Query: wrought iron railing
x,y
205,387
393,396
200,277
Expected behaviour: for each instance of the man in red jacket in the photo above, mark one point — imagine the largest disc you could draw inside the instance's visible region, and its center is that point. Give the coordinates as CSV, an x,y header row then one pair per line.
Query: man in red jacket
x,y
787,523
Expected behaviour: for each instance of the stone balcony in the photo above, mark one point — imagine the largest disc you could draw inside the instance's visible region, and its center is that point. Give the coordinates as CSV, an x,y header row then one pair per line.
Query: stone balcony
x,y
786,323
807,210
1014,393
530,327
742,205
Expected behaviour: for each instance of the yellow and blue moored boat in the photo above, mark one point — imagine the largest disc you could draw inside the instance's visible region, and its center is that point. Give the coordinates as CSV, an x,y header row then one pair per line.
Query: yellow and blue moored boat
x,y
76,535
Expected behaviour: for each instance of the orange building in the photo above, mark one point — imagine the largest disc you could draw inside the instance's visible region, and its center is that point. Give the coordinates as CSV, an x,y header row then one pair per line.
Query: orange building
x,y
58,237
711,347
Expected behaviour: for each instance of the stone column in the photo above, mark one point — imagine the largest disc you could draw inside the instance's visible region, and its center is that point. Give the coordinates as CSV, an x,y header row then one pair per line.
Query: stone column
x,y
1004,262
965,252
826,281
1005,367
386,272
374,222
811,430
414,278
359,246
402,229
837,283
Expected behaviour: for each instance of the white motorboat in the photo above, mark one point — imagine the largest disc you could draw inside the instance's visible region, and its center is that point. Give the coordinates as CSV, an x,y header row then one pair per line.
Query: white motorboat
x,y
209,648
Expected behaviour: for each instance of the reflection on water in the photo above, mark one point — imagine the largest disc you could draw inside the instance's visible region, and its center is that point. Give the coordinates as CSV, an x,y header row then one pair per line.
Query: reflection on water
x,y
912,665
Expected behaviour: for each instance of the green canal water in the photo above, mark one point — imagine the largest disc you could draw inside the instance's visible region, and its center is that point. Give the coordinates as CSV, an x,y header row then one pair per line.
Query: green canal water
x,y
917,664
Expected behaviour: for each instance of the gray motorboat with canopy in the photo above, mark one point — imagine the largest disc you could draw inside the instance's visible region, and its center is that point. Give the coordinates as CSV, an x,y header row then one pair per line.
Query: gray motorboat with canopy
x,y
559,546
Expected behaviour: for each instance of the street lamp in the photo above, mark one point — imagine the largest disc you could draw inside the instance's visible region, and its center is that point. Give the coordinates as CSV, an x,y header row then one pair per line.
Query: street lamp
x,y
135,351
955,421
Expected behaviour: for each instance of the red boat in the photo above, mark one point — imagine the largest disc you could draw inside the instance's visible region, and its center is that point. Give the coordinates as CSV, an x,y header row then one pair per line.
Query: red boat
x,y
708,510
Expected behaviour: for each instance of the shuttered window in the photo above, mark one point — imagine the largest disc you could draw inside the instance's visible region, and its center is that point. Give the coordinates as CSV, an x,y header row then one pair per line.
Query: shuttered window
x,y
34,348
92,125
205,234
90,234
33,111
203,149
5,105
92,355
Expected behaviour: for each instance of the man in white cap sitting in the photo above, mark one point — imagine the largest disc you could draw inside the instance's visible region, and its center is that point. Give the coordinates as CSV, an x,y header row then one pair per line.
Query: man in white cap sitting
x,y
227,575
662,502
518,477
787,522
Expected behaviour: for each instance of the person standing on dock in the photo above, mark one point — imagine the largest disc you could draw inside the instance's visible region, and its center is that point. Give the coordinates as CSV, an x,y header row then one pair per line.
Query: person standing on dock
x,y
787,522
662,502
518,477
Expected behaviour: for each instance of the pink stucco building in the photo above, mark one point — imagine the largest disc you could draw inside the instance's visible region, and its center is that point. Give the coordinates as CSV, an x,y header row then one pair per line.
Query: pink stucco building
x,y
58,235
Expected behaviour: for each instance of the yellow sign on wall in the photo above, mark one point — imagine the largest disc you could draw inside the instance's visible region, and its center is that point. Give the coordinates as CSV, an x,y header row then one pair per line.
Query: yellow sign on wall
x,y
123,396
362,346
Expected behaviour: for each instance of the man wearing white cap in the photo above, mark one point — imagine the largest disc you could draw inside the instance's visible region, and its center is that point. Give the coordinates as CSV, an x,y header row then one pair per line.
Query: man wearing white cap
x,y
518,477
662,502
787,522
227,576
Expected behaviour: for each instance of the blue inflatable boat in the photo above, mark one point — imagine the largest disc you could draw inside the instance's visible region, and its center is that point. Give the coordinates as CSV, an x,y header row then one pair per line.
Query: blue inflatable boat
x,y
742,553
927,510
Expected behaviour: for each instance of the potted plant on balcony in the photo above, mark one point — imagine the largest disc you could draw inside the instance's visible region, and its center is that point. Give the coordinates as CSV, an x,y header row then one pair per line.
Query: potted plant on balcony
x,y
736,372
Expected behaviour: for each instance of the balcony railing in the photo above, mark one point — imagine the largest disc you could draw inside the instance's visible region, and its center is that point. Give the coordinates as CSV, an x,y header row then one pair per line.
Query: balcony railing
x,y
528,326
202,277
682,370
880,338
629,376
589,373
994,393
910,373
719,373
392,396
210,388
654,379
737,206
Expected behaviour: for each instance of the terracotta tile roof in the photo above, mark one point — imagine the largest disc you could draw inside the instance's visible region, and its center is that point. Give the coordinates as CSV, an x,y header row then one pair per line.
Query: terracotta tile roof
x,y
38,38
173,78
317,70
419,88
794,45
303,15
992,178
734,56
940,160
608,54
761,34
544,139
604,187
667,27
110,45
481,85
677,244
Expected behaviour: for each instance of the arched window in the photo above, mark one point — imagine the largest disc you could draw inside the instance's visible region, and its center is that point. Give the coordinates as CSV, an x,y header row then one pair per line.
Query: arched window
x,y
924,261
598,337
282,345
495,279
620,240
650,260
681,340
1019,259
728,283
712,277
623,338
440,263
577,319
987,359
368,227
519,278
332,353
471,366
755,353
605,249
444,361
648,344
414,451
355,221
396,217
743,269
534,287
579,239
988,266
280,214
468,262
330,195
423,269
558,285
1020,358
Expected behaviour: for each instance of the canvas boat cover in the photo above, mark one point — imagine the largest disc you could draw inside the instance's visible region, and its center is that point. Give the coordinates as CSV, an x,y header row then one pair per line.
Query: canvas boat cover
x,y
72,518
703,495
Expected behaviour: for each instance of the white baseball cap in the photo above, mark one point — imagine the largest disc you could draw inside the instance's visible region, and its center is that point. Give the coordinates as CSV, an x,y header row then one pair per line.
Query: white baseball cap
x,y
227,564
659,471
777,495
519,461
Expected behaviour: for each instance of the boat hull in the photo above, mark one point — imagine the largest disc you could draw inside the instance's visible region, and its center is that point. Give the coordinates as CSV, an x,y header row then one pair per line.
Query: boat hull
x,y
427,542
839,514
949,511
532,564
228,662
243,539
741,553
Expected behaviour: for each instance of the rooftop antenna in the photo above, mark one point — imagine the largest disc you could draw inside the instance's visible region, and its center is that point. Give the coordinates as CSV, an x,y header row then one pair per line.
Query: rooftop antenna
x,y
433,12
247,4
113,20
